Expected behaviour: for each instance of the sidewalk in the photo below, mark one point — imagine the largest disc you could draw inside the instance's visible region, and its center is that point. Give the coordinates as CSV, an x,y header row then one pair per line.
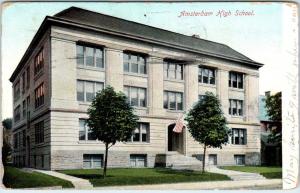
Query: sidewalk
x,y
78,183
220,185
236,175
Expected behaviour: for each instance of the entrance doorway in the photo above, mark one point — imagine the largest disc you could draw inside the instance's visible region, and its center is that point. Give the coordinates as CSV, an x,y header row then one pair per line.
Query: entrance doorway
x,y
175,140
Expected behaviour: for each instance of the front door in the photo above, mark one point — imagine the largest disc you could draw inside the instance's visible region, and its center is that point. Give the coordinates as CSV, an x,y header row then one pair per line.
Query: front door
x,y
212,159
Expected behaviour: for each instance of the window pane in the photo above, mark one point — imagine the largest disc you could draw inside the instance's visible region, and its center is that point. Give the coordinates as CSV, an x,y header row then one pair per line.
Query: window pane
x,y
89,89
179,101
205,75
165,70
99,86
79,55
81,130
99,58
240,80
142,97
134,96
179,72
234,81
165,100
80,90
89,56
134,64
211,76
142,65
172,100
90,134
136,135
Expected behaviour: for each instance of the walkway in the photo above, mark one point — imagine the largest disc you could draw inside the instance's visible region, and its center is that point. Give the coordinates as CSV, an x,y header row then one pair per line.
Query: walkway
x,y
236,175
213,185
78,183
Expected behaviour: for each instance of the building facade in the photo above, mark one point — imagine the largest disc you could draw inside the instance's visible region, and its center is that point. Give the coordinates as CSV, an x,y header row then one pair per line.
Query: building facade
x,y
77,52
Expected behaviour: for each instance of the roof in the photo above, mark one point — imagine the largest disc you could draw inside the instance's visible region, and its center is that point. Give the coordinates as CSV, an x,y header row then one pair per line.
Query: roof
x,y
78,17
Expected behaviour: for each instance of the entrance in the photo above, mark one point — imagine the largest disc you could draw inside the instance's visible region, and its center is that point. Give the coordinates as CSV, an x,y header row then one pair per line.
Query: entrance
x,y
175,140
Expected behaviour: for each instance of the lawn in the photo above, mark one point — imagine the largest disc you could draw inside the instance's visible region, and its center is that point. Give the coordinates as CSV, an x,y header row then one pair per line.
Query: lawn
x,y
137,176
268,172
16,178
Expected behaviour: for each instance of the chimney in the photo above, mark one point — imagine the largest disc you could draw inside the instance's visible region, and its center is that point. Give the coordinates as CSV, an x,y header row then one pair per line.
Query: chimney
x,y
267,93
196,36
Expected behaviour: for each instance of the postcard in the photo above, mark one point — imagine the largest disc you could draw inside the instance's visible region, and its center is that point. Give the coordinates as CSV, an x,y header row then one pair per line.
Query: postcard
x,y
149,95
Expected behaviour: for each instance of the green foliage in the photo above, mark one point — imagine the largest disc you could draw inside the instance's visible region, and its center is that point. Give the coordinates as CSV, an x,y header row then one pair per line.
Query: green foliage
x,y
139,176
111,118
6,151
274,107
16,178
274,110
7,123
206,122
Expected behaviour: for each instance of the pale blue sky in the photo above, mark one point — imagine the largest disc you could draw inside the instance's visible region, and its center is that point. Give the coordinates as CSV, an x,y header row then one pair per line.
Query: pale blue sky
x,y
259,37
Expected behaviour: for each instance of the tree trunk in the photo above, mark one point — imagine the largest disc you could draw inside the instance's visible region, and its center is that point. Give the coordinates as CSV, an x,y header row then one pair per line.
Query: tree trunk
x,y
105,160
203,162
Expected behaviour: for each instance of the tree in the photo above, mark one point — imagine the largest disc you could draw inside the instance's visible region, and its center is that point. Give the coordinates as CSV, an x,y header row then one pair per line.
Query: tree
x,y
207,124
6,148
274,110
111,119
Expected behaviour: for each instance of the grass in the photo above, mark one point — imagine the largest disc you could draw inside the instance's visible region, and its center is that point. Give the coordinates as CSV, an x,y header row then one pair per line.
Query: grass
x,y
137,176
268,172
16,178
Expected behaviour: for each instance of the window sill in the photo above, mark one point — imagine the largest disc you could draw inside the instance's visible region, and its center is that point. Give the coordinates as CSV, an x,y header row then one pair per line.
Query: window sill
x,y
39,107
91,68
140,108
136,74
174,80
236,116
38,75
136,143
174,111
89,142
207,85
236,89
84,103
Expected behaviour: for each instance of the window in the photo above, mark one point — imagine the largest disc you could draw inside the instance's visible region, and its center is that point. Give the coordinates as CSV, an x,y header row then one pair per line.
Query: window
x,y
17,90
84,131
136,96
87,90
236,80
239,159
239,136
92,161
24,109
17,114
42,160
28,105
15,140
235,107
138,160
39,132
24,138
173,100
134,63
28,77
89,56
39,95
206,75
173,70
23,83
39,62
141,133
201,97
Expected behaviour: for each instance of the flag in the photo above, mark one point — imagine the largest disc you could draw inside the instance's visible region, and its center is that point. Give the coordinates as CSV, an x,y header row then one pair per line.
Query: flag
x,y
179,125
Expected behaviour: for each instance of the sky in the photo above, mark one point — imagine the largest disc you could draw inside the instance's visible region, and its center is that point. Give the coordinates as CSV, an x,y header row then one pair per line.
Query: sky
x,y
258,36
